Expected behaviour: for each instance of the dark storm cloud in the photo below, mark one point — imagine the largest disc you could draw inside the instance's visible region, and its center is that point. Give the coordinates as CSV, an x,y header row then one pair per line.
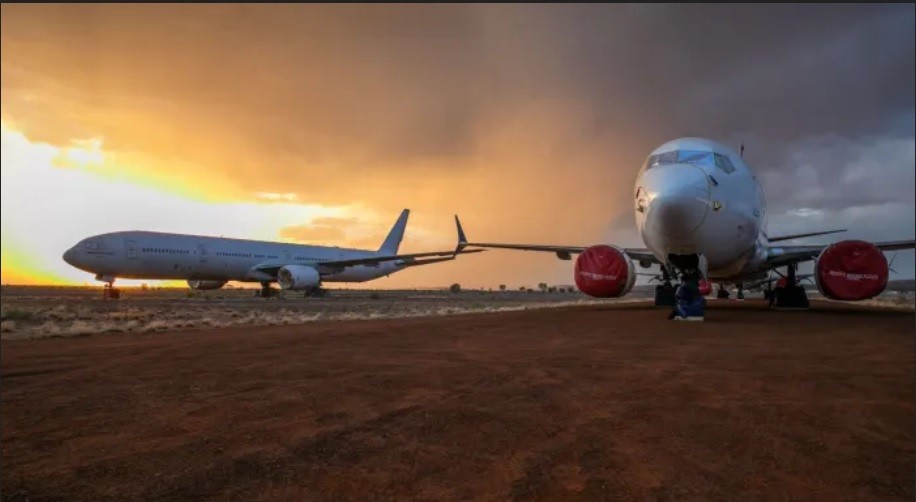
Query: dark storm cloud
x,y
416,80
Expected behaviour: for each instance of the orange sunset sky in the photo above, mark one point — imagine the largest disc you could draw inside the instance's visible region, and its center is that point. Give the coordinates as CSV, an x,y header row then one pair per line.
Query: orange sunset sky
x,y
319,123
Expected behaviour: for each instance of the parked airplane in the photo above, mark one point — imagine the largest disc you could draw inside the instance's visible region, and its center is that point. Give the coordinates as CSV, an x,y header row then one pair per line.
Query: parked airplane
x,y
701,213
211,262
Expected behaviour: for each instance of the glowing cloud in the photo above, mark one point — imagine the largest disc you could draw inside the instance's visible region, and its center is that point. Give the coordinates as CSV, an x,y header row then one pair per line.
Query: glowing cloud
x,y
47,209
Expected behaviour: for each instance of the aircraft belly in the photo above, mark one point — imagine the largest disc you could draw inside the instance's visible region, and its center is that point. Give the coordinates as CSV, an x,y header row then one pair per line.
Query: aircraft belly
x,y
353,274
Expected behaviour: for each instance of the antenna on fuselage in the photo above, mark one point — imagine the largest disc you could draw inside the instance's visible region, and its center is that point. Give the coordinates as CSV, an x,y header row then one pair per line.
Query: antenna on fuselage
x,y
742,150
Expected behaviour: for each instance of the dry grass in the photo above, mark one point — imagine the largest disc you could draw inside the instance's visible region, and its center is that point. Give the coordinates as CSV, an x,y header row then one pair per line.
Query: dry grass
x,y
36,316
48,317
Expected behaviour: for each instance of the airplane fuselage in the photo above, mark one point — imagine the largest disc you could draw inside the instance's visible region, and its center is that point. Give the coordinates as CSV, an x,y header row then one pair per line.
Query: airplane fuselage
x,y
697,197
154,255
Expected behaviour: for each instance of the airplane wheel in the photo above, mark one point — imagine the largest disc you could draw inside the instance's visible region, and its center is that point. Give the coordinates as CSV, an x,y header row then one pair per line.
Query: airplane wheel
x,y
266,292
111,292
790,298
664,295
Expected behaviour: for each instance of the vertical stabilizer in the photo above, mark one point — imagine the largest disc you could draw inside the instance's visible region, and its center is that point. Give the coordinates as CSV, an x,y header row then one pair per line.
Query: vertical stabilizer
x,y
393,241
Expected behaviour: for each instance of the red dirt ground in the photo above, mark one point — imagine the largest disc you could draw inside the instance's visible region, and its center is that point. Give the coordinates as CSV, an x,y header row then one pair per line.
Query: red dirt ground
x,y
610,402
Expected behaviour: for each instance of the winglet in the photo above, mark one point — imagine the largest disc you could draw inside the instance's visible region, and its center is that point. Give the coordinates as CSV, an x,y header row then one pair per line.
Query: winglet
x,y
462,239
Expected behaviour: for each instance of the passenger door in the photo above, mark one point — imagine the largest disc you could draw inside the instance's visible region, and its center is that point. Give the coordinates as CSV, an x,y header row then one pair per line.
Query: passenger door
x,y
130,249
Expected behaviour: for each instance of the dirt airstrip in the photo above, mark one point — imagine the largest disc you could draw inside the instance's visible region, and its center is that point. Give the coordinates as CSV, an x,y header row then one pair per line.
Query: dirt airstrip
x,y
607,402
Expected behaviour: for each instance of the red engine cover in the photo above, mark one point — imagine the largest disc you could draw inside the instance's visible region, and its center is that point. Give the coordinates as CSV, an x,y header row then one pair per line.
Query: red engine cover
x,y
705,287
604,272
851,271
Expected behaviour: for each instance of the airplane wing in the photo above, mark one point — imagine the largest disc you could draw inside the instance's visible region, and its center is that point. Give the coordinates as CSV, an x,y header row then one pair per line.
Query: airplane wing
x,y
799,236
562,252
409,260
786,255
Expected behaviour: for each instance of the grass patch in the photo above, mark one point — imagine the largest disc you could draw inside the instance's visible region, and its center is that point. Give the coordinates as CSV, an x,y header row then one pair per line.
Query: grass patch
x,y
17,315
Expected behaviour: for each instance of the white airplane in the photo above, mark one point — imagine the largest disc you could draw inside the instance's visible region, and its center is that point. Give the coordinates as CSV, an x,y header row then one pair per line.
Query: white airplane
x,y
701,213
211,262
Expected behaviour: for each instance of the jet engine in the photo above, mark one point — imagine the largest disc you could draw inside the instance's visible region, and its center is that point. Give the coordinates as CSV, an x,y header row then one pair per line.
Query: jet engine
x,y
604,272
851,271
298,278
705,287
202,285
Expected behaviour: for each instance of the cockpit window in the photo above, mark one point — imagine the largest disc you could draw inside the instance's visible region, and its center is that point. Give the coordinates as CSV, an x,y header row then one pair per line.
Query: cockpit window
x,y
725,164
696,157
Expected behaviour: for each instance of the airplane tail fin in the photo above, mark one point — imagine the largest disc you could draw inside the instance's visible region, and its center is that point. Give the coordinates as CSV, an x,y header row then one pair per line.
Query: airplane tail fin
x,y
393,241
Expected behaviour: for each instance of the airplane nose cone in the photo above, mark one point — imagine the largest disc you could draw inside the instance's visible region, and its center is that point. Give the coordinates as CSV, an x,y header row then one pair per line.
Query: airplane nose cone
x,y
679,199
70,256
676,216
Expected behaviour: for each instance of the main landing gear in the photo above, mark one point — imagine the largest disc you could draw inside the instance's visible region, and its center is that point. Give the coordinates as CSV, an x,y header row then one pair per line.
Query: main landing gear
x,y
266,291
318,292
723,294
791,295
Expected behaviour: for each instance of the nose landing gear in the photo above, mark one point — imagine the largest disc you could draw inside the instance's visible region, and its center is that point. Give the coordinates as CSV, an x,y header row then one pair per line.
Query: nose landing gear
x,y
665,292
689,304
109,292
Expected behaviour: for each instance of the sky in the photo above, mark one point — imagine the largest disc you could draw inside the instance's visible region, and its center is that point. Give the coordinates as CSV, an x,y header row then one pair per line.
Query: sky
x,y
320,123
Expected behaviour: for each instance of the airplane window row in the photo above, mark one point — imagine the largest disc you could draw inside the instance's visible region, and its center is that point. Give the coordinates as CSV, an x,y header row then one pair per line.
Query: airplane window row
x,y
166,250
237,255
695,157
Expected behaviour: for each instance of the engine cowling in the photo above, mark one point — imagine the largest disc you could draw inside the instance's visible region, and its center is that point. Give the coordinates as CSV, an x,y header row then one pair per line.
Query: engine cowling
x,y
604,272
705,287
298,277
851,271
204,285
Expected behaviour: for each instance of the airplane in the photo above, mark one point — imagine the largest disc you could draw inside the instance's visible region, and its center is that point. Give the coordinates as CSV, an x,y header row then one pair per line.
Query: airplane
x,y
210,262
701,213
